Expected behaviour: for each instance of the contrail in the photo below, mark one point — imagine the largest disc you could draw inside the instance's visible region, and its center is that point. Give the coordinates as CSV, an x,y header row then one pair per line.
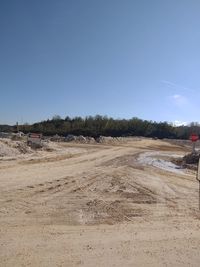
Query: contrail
x,y
177,86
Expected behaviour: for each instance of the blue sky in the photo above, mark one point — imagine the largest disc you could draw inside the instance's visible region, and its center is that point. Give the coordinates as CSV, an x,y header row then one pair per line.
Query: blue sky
x,y
121,58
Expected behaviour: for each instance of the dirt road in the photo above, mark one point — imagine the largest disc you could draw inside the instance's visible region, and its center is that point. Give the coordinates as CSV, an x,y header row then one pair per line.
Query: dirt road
x,y
99,205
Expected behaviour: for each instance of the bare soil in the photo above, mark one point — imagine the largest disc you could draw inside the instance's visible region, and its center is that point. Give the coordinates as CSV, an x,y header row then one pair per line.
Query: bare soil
x,y
98,205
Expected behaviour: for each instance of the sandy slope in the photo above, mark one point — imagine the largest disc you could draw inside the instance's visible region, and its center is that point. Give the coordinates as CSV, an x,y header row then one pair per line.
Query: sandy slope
x,y
98,205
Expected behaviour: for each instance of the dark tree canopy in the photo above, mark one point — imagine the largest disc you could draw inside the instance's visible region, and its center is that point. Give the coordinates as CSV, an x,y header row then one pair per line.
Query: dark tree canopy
x,y
102,125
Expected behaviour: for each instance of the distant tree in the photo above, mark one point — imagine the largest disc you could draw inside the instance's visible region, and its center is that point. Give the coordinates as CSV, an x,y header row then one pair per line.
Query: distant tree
x,y
103,125
56,118
67,118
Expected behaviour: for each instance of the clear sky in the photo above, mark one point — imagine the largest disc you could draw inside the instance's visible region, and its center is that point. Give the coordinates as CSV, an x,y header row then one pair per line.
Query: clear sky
x,y
121,58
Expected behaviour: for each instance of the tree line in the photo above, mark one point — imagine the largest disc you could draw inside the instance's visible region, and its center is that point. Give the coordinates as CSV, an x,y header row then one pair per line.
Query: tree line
x,y
95,126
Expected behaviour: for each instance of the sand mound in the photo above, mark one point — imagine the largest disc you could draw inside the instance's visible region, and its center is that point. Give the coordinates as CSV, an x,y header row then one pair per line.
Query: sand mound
x,y
189,161
10,148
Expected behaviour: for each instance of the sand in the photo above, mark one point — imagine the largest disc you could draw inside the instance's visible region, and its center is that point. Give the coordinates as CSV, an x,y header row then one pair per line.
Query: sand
x,y
99,205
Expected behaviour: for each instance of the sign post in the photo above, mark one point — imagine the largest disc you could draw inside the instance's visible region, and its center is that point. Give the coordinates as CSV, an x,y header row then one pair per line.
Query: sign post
x,y
194,138
34,139
198,179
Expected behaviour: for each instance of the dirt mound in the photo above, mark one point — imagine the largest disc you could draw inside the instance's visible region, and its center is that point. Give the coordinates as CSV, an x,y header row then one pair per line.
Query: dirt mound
x,y
6,151
107,140
192,158
80,139
189,161
10,148
91,140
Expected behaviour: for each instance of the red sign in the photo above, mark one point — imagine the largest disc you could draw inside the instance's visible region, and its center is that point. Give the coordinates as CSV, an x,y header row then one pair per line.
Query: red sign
x,y
194,137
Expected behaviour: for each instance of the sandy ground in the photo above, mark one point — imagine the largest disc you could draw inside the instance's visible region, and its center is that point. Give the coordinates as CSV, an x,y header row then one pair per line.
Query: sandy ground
x,y
99,205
